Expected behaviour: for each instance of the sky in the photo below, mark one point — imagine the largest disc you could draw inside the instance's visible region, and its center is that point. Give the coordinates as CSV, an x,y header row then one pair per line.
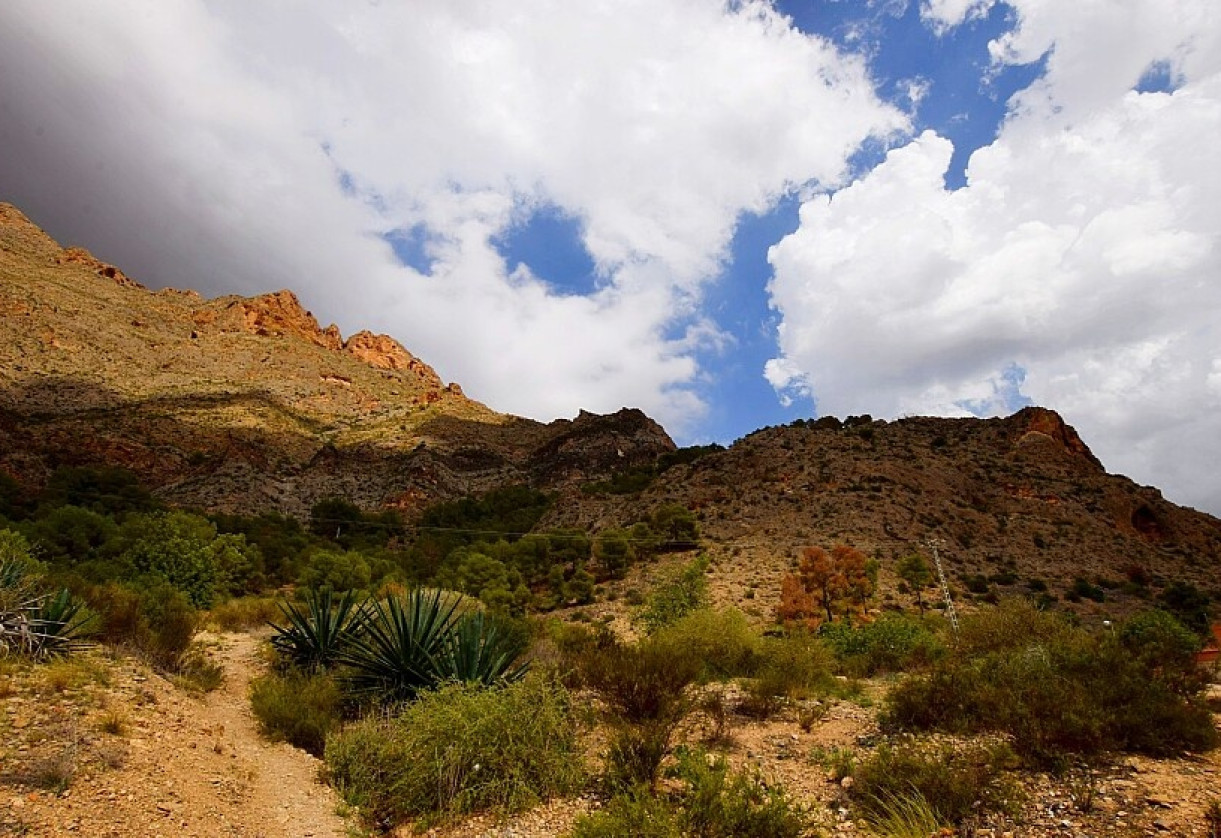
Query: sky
x,y
728,214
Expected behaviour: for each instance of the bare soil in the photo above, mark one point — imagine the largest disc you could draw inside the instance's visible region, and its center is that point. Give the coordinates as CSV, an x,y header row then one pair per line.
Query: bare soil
x,y
142,757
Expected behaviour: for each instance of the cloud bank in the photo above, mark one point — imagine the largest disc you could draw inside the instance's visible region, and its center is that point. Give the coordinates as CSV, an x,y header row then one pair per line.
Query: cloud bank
x,y
1080,263
234,147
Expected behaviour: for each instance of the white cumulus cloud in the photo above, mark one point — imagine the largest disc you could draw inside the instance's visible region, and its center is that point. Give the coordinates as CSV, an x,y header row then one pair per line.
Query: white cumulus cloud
x,y
235,146
1083,252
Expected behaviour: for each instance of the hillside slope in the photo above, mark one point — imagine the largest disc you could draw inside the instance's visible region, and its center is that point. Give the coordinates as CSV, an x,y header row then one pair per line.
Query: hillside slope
x,y
1015,505
247,404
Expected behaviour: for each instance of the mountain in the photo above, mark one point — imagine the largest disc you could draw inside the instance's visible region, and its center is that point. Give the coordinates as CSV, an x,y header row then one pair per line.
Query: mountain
x,y
248,404
1014,505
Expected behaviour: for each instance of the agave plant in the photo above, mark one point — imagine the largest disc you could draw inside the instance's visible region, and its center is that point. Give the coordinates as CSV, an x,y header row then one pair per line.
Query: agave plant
x,y
316,634
60,624
479,651
402,647
35,623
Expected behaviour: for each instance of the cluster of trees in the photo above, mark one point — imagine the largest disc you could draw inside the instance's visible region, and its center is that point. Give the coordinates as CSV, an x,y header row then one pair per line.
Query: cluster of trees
x,y
95,527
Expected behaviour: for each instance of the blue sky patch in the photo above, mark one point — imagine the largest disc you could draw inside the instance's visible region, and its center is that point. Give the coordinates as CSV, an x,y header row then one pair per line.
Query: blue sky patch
x,y
963,97
740,398
411,246
1160,77
550,242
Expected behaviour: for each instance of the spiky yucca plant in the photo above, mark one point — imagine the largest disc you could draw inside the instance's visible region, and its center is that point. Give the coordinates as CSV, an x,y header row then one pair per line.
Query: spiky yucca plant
x,y
314,635
61,623
419,641
36,623
479,651
400,648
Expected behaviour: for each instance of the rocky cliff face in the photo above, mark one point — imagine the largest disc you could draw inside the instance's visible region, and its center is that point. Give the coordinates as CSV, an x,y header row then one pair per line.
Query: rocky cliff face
x,y
248,404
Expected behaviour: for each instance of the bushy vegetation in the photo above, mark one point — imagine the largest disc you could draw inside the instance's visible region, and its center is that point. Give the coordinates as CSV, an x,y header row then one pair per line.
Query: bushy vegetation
x,y
949,782
794,666
707,800
1057,689
644,688
682,592
299,708
461,749
892,643
95,526
721,640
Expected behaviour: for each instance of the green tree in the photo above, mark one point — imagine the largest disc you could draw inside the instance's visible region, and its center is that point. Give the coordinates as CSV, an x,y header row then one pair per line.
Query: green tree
x,y
338,570
914,570
1188,604
676,597
183,550
71,534
676,525
109,490
614,552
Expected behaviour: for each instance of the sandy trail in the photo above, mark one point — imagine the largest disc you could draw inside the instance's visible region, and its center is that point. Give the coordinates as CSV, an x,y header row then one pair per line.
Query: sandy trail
x,y
186,766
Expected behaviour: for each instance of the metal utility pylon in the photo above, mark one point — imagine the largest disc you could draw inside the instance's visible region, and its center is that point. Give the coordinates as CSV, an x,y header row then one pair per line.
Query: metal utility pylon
x,y
945,586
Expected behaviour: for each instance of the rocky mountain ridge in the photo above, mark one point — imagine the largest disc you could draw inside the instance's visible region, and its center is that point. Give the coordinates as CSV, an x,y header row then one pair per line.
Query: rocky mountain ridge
x,y
248,404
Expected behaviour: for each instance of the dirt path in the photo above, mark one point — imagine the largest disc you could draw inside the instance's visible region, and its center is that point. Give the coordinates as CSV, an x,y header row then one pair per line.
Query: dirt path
x,y
182,765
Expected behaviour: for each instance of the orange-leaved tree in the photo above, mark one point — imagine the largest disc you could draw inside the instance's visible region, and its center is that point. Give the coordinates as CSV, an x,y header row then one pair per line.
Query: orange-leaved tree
x,y
825,582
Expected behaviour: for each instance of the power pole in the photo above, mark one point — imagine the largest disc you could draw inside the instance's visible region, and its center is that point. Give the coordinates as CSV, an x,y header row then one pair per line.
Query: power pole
x,y
945,586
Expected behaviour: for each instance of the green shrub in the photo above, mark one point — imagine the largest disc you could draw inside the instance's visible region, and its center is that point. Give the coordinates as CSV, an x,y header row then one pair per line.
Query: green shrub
x,y
166,625
709,801
641,683
645,689
635,813
795,666
158,622
461,749
719,803
892,643
1082,588
1188,604
1015,623
196,672
1056,689
722,641
1166,648
243,613
634,753
955,782
676,596
297,708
